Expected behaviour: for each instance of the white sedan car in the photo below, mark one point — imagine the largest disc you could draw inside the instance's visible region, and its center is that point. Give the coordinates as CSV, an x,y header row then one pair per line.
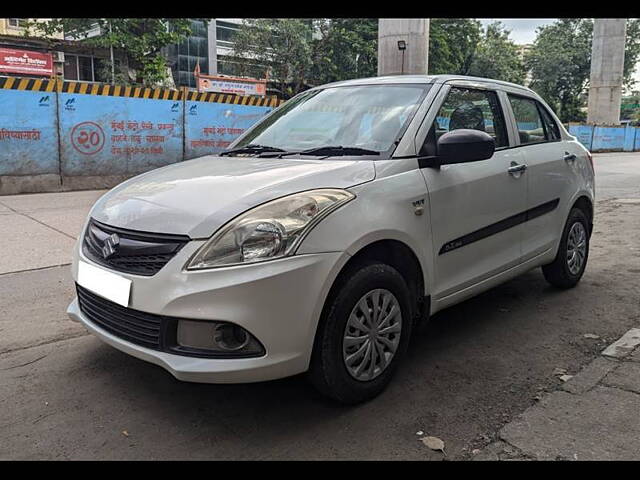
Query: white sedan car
x,y
325,232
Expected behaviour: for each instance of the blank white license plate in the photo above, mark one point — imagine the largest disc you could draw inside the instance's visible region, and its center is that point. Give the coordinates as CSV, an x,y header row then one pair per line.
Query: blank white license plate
x,y
106,284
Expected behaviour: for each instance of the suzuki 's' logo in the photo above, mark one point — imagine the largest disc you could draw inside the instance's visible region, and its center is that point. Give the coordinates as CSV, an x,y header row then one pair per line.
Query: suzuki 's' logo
x,y
110,245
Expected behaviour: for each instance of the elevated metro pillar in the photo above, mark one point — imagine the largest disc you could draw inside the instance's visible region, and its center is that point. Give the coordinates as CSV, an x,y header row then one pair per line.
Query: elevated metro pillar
x,y
607,64
414,32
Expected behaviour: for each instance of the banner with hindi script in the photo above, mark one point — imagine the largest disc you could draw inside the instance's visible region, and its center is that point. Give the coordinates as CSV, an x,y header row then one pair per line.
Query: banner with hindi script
x,y
210,127
113,135
28,133
25,62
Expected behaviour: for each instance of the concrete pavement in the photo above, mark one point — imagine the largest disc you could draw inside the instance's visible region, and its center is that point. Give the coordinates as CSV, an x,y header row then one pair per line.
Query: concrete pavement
x,y
471,372
617,175
39,231
594,416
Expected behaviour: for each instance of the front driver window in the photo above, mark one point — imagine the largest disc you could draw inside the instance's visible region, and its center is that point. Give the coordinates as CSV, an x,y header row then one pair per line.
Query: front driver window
x,y
474,109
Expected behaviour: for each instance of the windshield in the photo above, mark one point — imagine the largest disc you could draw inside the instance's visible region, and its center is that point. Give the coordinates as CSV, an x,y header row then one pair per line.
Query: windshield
x,y
367,117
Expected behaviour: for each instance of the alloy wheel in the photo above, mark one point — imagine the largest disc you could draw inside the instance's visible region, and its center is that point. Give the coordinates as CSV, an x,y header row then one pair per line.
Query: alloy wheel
x,y
576,247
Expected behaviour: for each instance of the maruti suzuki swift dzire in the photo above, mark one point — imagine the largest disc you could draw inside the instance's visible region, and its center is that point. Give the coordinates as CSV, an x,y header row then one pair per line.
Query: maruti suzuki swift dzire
x,y
319,238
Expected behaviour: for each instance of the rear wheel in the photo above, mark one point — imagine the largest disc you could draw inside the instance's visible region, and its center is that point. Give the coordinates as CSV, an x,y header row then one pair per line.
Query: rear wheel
x,y
363,335
571,259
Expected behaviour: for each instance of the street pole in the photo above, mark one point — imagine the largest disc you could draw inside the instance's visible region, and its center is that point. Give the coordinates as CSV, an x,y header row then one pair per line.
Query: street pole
x,y
113,70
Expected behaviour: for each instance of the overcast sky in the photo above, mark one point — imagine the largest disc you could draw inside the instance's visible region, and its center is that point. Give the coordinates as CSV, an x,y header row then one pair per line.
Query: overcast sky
x,y
523,30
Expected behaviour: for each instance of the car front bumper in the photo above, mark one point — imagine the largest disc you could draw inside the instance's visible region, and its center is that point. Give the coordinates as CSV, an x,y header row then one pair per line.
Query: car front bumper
x,y
279,302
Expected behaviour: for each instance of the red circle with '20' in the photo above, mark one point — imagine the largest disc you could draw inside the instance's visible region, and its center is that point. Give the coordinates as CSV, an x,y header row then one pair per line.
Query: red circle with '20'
x,y
87,138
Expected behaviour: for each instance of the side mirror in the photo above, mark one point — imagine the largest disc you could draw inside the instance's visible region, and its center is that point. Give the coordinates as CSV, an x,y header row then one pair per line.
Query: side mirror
x,y
465,145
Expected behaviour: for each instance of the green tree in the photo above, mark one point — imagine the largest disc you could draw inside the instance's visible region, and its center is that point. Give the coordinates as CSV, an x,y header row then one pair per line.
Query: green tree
x,y
630,107
560,63
345,48
497,56
452,45
631,51
281,45
140,39
299,53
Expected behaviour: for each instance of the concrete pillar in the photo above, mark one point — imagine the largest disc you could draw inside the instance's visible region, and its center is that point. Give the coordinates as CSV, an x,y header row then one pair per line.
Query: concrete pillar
x,y
414,31
607,63
212,47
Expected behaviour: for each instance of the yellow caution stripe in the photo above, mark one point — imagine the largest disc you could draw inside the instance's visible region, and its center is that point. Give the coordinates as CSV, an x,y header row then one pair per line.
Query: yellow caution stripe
x,y
33,84
272,101
87,88
120,91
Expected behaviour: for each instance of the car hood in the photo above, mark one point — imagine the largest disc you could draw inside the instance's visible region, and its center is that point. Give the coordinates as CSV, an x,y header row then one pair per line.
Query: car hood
x,y
198,196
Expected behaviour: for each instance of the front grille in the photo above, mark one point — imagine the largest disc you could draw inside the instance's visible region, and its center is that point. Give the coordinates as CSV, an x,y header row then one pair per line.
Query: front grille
x,y
132,325
157,332
134,252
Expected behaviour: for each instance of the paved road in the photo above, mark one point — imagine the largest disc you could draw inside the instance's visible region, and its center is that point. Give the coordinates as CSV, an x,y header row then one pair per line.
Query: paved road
x,y
618,175
64,394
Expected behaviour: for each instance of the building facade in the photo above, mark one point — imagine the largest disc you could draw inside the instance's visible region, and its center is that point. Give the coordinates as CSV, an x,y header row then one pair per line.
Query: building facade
x,y
210,46
16,26
63,58
523,50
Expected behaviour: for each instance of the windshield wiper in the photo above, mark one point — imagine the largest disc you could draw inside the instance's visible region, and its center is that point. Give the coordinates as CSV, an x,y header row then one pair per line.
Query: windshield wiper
x,y
332,151
252,148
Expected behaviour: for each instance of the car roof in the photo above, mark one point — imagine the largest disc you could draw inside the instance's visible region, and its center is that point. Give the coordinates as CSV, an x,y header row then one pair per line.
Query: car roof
x,y
395,79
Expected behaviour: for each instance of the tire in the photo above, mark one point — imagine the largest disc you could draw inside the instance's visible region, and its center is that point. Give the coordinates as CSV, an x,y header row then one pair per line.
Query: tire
x,y
328,371
559,272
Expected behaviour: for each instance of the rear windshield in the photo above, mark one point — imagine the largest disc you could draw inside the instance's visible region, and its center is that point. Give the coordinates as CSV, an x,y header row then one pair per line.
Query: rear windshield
x,y
366,116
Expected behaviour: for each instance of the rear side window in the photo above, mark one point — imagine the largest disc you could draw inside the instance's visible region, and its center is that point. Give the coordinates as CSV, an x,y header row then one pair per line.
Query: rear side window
x,y
474,109
534,123
530,127
553,132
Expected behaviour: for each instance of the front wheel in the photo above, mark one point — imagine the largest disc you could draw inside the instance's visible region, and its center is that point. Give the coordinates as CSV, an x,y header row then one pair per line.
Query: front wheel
x,y
363,335
571,259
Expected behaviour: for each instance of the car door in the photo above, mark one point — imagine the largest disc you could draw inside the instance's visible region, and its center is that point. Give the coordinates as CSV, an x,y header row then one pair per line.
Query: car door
x,y
549,173
473,206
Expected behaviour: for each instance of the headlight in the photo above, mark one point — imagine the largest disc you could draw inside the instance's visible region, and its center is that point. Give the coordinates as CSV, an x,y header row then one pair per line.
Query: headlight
x,y
272,230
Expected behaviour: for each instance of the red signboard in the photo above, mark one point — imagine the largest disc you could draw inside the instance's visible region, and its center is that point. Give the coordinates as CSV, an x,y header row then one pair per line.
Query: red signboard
x,y
25,61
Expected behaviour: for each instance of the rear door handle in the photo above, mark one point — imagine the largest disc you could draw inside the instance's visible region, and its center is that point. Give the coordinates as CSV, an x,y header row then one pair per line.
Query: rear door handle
x,y
513,169
569,157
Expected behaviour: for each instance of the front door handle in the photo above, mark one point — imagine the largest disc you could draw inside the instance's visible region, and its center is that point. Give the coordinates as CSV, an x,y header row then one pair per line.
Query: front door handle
x,y
515,168
569,157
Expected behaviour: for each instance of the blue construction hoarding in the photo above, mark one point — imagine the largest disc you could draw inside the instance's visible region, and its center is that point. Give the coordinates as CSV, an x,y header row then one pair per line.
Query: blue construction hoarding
x,y
210,127
28,133
107,135
77,131
584,133
56,131
607,139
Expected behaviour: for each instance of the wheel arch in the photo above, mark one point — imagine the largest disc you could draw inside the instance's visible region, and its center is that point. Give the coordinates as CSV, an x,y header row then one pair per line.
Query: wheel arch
x,y
394,253
400,256
585,204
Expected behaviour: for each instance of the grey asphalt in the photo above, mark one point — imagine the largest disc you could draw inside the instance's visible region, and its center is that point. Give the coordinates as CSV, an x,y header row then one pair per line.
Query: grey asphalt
x,y
471,372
